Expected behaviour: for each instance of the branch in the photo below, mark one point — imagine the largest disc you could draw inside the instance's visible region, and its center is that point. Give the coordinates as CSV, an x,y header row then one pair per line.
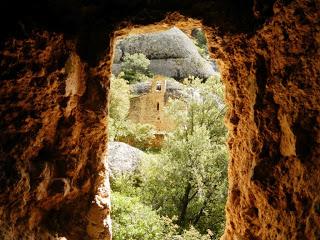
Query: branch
x,y
193,195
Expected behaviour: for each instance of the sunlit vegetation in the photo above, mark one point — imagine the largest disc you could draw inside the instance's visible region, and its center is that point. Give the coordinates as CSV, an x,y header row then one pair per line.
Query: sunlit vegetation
x,y
135,67
177,192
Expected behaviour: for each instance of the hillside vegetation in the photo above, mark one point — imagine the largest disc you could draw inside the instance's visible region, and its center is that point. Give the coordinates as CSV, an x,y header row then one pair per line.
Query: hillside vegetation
x,y
178,191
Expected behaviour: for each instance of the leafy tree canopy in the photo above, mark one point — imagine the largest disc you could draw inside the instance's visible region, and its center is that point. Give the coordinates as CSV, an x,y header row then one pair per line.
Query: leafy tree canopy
x,y
188,178
135,67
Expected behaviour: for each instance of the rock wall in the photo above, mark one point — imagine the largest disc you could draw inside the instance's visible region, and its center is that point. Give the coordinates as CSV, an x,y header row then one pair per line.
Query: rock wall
x,y
51,103
53,106
273,92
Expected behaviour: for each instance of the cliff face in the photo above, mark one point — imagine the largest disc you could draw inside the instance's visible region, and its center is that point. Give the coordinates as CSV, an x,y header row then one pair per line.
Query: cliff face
x,y
273,94
53,108
50,104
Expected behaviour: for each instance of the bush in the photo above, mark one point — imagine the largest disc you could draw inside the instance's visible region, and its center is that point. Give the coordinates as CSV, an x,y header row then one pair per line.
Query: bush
x,y
135,221
135,67
119,105
193,234
137,134
200,41
119,97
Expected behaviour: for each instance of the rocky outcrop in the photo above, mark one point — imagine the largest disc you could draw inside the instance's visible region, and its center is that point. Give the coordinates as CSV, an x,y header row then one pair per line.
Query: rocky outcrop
x,y
123,158
171,53
273,93
172,43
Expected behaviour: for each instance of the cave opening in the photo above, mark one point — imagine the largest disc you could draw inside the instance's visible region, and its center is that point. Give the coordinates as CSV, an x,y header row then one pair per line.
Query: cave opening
x,y
53,104
183,137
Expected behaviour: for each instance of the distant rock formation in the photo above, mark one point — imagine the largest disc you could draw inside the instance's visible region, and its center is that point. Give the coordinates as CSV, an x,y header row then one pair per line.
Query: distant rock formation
x,y
123,158
172,53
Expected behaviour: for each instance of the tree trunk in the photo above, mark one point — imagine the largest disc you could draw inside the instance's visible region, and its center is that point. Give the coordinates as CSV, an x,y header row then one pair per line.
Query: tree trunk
x,y
184,205
200,213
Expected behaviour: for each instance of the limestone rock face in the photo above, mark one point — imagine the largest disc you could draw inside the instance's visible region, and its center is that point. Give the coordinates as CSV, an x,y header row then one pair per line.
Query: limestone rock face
x,y
273,92
172,43
179,68
171,53
123,158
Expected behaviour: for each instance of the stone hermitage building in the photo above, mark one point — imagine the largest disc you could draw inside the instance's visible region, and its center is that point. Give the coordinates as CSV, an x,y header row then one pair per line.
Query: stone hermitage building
x,y
147,106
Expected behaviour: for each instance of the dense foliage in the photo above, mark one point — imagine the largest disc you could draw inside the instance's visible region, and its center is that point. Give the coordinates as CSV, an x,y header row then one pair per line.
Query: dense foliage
x,y
188,178
135,220
200,41
180,191
135,67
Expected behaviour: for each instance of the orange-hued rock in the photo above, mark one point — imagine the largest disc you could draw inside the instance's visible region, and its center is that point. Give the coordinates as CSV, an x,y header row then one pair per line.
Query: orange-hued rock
x,y
54,68
49,172
273,92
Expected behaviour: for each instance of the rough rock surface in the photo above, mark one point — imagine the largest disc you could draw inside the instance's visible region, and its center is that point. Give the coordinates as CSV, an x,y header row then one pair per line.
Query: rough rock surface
x,y
172,53
123,158
53,117
46,186
273,92
172,43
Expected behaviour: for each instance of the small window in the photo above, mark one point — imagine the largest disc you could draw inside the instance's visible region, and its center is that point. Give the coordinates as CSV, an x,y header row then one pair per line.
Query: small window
x,y
158,106
158,88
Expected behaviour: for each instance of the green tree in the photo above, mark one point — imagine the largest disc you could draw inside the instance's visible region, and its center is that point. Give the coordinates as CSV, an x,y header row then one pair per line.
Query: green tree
x,y
200,41
119,105
188,179
135,67
134,220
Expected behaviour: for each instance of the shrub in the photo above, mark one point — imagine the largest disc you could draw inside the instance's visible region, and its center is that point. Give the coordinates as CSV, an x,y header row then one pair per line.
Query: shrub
x,y
135,67
193,234
200,41
134,221
137,134
119,105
